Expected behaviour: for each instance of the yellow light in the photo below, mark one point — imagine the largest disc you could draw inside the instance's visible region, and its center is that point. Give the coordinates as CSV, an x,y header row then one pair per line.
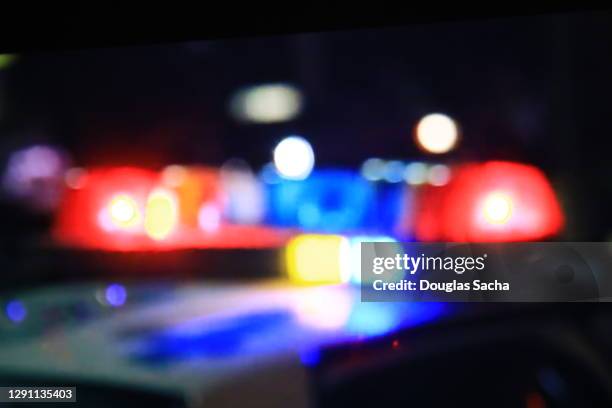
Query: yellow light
x,y
315,259
124,212
437,133
497,208
161,214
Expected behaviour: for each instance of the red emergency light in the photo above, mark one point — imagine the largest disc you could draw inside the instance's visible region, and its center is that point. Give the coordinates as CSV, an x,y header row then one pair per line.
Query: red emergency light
x,y
489,202
132,209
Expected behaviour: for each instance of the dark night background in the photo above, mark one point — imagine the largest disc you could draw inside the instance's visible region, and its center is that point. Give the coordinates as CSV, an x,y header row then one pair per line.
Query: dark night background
x,y
534,89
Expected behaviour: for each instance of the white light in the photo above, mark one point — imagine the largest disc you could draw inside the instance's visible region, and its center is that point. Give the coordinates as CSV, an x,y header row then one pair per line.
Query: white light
x,y
121,213
350,256
415,173
123,209
438,175
245,202
497,208
323,308
373,169
437,133
294,158
268,103
209,218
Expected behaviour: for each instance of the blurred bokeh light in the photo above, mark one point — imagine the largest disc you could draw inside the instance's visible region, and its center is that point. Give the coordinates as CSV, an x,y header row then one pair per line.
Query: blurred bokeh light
x,y
437,133
16,311
315,259
294,158
161,214
268,103
6,60
35,175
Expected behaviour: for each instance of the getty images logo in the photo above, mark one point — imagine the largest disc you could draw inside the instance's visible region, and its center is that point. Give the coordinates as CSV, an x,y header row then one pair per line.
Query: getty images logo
x,y
414,264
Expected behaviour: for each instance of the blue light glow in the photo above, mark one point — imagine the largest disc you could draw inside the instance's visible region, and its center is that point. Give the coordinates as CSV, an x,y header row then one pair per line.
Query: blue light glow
x,y
394,171
376,319
310,357
391,207
305,322
372,319
328,201
116,295
16,311
269,175
224,338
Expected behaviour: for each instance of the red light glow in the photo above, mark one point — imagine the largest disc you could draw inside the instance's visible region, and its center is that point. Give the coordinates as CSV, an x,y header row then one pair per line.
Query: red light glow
x,y
131,209
108,207
489,202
